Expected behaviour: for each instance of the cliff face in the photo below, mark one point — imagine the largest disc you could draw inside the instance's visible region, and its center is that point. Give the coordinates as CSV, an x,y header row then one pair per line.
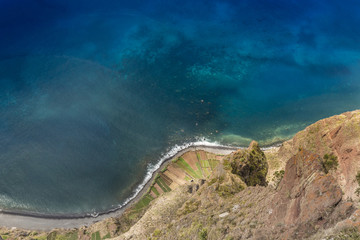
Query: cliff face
x,y
313,199
307,199
207,196
339,135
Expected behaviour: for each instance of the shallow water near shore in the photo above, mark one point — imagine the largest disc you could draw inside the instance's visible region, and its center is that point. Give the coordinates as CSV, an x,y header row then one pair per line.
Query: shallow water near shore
x,y
93,95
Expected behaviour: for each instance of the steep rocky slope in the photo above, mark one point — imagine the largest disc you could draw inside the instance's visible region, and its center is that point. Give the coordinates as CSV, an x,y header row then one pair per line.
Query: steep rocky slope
x,y
306,201
306,189
338,135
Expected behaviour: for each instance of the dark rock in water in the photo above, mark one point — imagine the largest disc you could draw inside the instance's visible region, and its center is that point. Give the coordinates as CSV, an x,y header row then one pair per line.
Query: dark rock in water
x,y
250,164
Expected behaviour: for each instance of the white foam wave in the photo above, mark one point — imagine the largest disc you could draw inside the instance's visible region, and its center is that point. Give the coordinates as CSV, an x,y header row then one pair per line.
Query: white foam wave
x,y
151,168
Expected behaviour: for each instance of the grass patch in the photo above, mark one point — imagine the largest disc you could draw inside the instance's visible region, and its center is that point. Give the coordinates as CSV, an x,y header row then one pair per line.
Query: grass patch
x,y
199,171
278,176
329,162
95,236
205,164
107,236
67,236
206,172
203,234
213,163
155,191
350,233
160,185
143,202
184,165
168,189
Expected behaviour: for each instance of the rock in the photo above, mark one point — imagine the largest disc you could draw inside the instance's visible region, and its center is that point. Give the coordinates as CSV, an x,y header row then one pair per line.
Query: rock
x,y
235,207
307,199
250,164
223,214
338,135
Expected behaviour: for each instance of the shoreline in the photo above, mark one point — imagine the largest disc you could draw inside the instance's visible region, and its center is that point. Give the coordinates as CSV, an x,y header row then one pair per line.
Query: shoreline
x,y
45,222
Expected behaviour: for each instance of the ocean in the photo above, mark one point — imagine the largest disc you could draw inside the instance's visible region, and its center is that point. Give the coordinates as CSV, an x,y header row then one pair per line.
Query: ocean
x,y
95,94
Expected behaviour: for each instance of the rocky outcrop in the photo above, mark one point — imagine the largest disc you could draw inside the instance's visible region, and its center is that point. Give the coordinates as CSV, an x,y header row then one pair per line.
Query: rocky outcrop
x,y
250,164
307,198
338,135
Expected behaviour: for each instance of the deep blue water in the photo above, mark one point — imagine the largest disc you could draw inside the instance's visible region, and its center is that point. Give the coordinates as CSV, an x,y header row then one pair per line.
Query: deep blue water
x,y
92,92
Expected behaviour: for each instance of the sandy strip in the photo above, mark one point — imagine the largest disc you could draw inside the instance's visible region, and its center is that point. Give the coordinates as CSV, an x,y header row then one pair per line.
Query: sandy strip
x,y
46,224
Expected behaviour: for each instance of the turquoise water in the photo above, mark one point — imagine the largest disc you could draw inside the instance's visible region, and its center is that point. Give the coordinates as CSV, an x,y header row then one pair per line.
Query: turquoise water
x,y
94,94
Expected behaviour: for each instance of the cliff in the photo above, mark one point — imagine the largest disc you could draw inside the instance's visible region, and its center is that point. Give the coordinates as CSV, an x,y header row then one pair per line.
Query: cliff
x,y
306,189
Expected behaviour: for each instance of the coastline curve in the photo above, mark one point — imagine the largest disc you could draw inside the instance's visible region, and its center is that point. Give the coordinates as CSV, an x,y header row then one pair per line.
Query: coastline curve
x,y
39,221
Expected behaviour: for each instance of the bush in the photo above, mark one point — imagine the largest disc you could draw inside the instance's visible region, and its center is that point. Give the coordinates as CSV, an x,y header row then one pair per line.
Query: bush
x,y
278,176
203,234
357,192
350,233
358,177
329,162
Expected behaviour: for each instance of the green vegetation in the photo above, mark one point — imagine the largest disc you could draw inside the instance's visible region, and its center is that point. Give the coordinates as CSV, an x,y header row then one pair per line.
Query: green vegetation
x,y
67,236
350,233
107,236
358,177
198,156
154,190
213,163
203,234
187,178
184,165
156,233
143,202
228,191
357,191
95,236
190,206
329,162
251,165
278,176
163,185
199,171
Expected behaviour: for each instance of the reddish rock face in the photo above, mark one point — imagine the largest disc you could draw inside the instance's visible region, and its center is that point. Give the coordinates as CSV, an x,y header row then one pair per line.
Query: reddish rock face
x,y
338,135
307,197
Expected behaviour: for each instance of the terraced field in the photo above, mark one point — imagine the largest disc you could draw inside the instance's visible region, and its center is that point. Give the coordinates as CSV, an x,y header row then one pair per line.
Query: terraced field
x,y
190,166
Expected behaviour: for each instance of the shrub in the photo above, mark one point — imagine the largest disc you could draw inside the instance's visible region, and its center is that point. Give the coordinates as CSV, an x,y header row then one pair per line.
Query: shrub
x,y
358,177
203,234
329,162
357,191
156,232
278,176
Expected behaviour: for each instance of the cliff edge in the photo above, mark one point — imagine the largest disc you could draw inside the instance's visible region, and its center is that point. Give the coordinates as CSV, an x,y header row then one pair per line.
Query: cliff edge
x,y
308,188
